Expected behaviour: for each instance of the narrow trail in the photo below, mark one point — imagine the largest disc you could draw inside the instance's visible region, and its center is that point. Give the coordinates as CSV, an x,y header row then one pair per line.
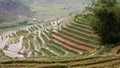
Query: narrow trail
x,y
115,49
105,64
97,62
43,42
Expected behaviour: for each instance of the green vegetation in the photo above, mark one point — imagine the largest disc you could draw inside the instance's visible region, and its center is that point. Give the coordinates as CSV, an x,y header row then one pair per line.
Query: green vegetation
x,y
74,62
105,20
71,44
13,24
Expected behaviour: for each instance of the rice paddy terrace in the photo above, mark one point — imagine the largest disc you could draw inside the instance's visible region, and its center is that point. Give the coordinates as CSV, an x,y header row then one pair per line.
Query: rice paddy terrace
x,y
57,44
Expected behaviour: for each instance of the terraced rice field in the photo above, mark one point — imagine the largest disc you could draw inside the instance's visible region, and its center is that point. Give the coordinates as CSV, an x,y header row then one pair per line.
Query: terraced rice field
x,y
56,44
77,62
77,38
37,41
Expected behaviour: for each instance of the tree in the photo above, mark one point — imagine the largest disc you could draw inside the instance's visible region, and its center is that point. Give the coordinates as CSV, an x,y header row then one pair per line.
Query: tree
x,y
106,20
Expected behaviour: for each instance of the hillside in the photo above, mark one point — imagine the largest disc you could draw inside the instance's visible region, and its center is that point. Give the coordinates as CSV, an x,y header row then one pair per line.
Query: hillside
x,y
12,10
58,37
50,9
56,1
63,43
21,10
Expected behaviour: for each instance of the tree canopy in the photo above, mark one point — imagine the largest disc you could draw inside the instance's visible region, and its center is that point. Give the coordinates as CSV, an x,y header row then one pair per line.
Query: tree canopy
x,y
106,20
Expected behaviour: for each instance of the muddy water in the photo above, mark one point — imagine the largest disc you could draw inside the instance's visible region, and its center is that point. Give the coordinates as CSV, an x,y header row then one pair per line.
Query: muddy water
x,y
12,54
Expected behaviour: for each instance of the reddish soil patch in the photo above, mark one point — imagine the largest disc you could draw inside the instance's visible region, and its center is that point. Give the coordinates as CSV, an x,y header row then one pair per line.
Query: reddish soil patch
x,y
71,42
115,49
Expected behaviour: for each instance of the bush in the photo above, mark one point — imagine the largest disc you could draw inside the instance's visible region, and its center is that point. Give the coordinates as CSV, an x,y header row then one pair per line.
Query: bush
x,y
106,20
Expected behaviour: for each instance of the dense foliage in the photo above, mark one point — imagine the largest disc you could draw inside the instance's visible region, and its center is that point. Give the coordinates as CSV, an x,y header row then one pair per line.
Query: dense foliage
x,y
105,20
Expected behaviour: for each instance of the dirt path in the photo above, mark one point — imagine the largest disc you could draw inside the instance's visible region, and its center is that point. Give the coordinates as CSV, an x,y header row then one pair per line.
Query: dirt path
x,y
115,49
97,62
104,64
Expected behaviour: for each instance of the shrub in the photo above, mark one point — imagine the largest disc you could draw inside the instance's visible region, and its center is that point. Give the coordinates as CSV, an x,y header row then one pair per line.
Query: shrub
x,y
106,20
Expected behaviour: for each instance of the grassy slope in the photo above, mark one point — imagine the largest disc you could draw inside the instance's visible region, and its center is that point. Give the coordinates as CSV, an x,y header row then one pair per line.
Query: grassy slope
x,y
89,62
65,62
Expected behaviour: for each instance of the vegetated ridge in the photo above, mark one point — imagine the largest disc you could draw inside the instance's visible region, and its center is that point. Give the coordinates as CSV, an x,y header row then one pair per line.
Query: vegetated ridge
x,y
13,10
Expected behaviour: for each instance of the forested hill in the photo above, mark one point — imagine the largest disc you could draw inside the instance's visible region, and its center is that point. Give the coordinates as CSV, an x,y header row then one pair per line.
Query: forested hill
x,y
15,9
12,10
